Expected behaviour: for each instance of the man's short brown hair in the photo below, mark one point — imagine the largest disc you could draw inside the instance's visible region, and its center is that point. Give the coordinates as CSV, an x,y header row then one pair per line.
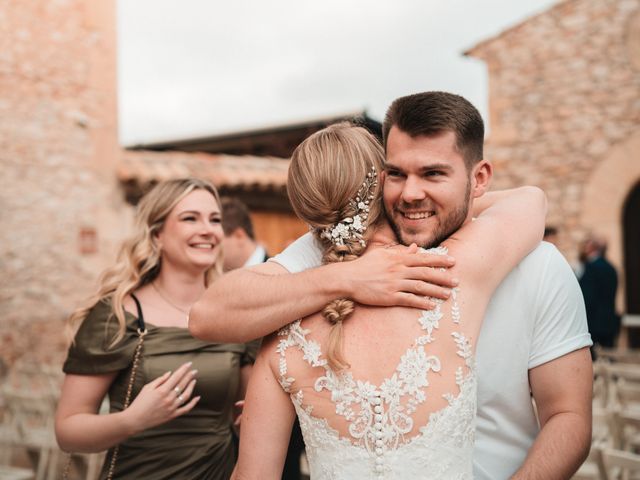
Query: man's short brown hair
x,y
430,113
235,214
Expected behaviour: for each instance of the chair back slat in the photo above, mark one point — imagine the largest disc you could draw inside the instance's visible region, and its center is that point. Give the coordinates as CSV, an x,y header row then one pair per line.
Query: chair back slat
x,y
618,463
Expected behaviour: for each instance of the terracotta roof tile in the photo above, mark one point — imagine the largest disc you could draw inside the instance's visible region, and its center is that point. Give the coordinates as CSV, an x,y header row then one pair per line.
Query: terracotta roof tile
x,y
247,172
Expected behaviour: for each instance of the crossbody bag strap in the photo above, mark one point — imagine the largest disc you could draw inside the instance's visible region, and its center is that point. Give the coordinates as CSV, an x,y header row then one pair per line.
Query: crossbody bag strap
x,y
142,331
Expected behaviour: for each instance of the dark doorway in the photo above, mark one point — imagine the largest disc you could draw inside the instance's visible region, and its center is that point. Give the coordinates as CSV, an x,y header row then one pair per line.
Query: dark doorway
x,y
631,236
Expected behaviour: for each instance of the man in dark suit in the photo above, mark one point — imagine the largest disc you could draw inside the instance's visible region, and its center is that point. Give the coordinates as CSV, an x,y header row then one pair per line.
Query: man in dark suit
x,y
242,250
599,282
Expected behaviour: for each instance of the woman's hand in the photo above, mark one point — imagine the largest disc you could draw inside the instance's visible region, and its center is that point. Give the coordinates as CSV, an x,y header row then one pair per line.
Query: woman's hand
x,y
79,427
163,399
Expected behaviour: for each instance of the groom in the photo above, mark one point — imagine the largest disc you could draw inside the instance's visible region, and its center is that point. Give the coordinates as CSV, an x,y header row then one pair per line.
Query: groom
x,y
534,339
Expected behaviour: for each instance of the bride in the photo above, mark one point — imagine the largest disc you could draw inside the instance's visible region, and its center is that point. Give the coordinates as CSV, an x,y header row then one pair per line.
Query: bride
x,y
381,392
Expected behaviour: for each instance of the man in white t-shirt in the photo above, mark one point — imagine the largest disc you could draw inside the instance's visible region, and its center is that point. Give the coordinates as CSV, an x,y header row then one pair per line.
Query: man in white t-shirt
x,y
534,339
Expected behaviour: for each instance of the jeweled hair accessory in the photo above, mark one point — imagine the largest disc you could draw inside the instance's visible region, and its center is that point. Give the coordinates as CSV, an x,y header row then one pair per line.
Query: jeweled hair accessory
x,y
354,227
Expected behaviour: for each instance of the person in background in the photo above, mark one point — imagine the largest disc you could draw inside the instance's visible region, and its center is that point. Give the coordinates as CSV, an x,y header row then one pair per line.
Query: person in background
x,y
242,250
551,235
240,246
177,426
599,283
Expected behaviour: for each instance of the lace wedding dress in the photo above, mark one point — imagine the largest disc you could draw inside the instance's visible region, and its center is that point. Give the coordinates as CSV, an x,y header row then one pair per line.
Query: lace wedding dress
x,y
381,435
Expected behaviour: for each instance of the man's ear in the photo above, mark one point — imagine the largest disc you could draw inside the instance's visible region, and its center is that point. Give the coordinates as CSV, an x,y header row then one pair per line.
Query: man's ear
x,y
239,234
481,178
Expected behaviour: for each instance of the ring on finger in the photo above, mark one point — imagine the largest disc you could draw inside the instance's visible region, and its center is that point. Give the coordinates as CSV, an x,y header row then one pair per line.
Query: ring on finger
x,y
180,399
177,390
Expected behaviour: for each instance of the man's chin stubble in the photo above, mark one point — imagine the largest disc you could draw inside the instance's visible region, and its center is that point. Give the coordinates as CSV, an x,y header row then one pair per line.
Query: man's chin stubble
x,y
437,237
427,243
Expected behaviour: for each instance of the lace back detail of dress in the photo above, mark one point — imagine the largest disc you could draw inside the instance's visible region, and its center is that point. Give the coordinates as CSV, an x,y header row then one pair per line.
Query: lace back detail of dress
x,y
380,418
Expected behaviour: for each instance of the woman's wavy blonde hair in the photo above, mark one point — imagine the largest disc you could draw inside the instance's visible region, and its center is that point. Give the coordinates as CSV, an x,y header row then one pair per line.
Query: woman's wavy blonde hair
x,y
326,172
139,259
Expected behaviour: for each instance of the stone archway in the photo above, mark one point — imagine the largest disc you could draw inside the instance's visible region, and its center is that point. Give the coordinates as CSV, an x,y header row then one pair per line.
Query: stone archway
x,y
604,198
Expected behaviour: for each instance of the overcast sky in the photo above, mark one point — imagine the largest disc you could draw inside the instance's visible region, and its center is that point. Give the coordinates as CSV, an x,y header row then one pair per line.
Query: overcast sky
x,y
201,67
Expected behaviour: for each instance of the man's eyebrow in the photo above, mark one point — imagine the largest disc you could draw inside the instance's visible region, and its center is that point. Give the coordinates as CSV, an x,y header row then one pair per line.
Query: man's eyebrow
x,y
424,168
390,166
436,166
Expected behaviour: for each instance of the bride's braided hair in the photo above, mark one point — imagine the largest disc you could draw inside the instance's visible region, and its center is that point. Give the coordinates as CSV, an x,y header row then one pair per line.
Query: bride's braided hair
x,y
331,175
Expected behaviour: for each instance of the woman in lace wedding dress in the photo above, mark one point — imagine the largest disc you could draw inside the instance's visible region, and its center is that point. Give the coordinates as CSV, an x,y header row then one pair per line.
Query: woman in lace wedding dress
x,y
385,393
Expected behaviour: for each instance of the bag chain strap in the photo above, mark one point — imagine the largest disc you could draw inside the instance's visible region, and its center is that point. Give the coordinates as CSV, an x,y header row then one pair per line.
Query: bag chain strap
x,y
127,399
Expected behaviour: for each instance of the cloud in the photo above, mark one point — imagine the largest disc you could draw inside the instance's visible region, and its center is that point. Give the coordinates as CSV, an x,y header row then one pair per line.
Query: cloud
x,y
199,67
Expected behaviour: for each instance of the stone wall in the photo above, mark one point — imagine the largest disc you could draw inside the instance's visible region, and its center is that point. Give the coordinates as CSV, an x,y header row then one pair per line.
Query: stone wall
x,y
58,148
564,100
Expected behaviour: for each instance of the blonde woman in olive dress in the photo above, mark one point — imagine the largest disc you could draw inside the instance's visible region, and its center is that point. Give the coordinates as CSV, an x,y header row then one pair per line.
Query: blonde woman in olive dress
x,y
179,422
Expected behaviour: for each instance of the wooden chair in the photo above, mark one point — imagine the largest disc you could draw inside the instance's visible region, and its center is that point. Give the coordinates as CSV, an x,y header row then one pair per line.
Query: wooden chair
x,y
627,394
619,465
31,420
601,437
627,371
601,381
607,378
30,392
8,435
617,356
625,429
15,473
602,424
8,438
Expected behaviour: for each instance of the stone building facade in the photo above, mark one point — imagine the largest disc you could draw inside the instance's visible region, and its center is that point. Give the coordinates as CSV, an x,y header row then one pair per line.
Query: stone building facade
x,y
564,101
58,150
66,185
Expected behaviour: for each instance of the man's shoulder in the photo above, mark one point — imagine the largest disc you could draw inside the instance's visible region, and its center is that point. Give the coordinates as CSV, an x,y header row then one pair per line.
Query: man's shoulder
x,y
540,275
545,251
542,261
539,304
302,254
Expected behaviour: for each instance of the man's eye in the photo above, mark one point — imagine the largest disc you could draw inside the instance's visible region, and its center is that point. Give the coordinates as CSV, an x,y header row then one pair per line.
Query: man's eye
x,y
433,173
394,173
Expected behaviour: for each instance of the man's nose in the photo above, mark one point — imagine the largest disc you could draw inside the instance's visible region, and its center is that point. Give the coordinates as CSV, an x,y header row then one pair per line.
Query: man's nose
x,y
413,190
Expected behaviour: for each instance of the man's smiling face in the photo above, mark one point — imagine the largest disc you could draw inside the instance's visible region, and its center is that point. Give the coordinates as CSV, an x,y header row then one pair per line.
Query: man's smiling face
x,y
426,187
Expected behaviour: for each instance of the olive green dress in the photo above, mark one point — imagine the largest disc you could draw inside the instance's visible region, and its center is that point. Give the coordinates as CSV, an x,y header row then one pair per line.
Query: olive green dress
x,y
197,445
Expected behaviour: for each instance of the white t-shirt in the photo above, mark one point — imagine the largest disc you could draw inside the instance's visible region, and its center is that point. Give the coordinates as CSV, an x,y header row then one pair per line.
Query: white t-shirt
x,y
535,315
257,257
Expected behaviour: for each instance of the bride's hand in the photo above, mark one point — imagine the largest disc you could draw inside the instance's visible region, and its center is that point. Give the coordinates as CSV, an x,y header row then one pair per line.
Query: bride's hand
x,y
397,276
